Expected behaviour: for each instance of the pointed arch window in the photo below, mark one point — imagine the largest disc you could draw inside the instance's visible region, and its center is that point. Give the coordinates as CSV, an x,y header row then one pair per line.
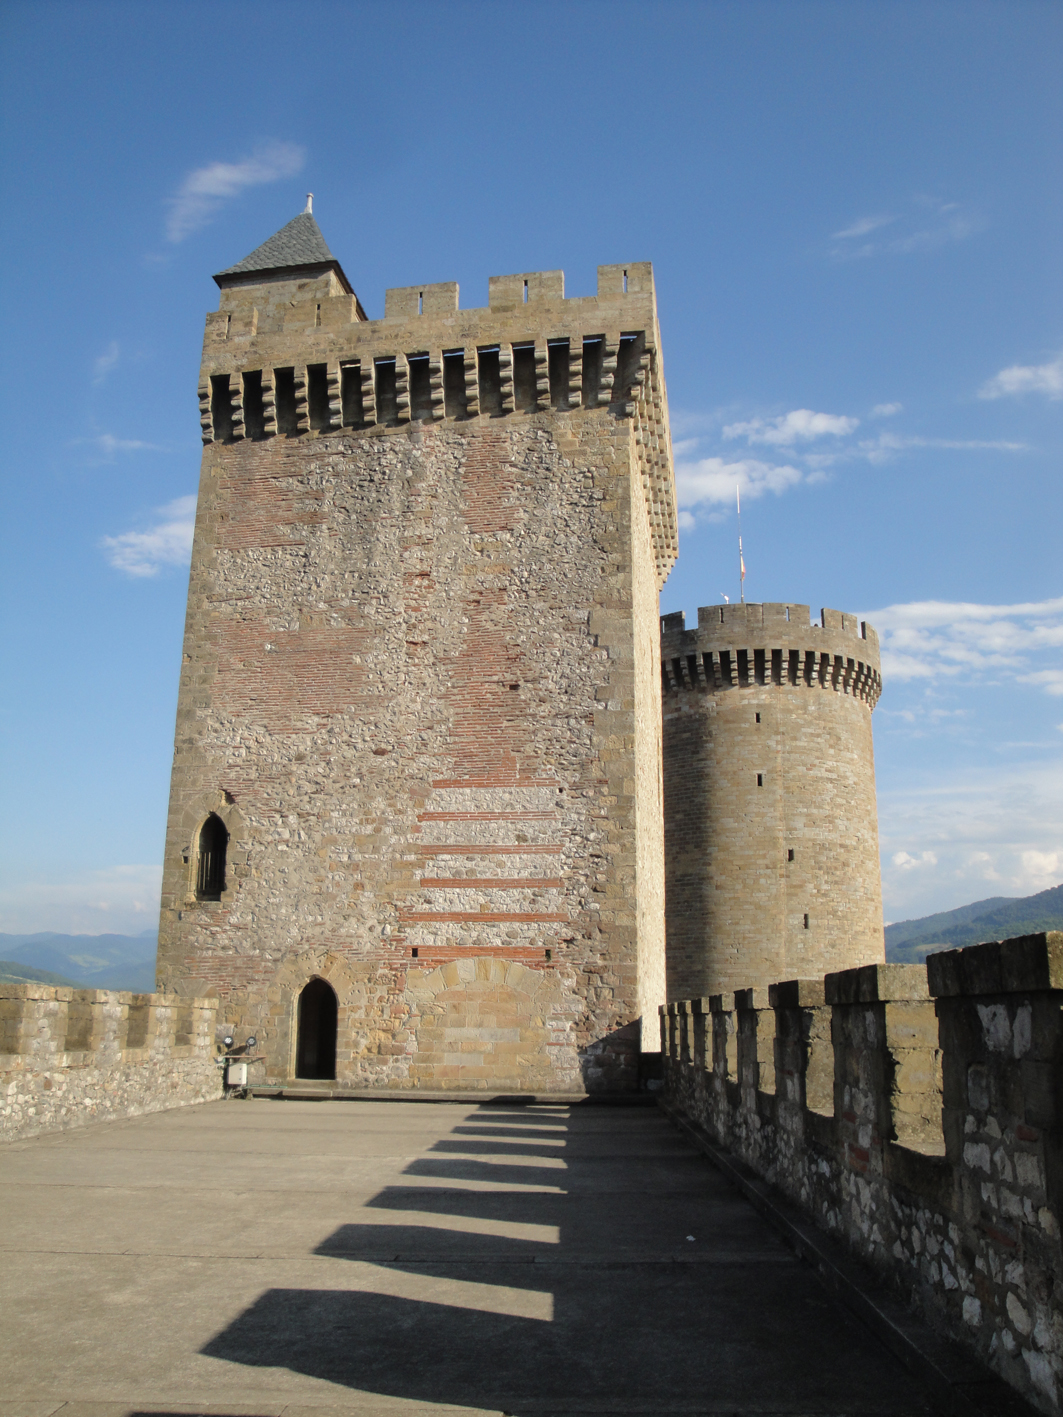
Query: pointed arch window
x,y
210,870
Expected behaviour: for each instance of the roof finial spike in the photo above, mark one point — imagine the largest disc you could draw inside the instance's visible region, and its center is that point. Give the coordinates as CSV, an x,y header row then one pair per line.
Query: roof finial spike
x,y
309,204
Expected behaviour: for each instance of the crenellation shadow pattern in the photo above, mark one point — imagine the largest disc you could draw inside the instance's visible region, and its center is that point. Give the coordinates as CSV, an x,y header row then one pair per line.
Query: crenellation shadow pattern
x,y
535,1290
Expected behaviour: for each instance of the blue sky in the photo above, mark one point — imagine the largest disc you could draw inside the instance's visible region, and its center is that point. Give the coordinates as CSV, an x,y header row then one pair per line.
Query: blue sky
x,y
854,215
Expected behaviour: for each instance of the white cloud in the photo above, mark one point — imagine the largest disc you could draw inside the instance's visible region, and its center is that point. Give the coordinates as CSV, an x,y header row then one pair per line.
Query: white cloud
x,y
928,224
993,831
933,638
906,862
863,227
167,543
120,900
1051,680
1044,868
105,362
1026,379
800,425
814,442
204,190
713,481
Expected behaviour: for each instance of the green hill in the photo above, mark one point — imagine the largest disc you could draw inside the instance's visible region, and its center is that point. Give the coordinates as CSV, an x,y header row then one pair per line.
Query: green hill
x,y
90,961
998,918
12,973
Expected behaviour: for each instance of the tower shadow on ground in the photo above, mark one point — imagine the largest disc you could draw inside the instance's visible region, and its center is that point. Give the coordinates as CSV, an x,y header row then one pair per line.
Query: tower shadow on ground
x,y
552,1274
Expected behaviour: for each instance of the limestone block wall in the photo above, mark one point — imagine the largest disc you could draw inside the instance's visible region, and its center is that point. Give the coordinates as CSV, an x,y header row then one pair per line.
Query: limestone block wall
x,y
916,1115
771,825
420,685
71,1056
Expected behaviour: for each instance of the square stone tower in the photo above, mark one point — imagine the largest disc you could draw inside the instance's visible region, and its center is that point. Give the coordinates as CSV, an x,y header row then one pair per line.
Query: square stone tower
x,y
415,836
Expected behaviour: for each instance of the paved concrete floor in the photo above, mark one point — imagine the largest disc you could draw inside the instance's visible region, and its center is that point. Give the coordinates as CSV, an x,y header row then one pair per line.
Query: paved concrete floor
x,y
330,1258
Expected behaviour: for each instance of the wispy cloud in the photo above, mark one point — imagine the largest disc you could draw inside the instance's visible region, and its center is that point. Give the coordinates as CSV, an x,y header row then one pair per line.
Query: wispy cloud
x,y
933,638
203,191
886,410
864,226
1051,680
1026,379
926,224
107,446
119,899
884,447
800,425
168,542
105,362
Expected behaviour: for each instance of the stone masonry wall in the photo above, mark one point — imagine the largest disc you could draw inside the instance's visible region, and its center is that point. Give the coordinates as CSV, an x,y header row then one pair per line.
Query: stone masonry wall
x,y
916,1115
420,688
771,825
71,1056
648,773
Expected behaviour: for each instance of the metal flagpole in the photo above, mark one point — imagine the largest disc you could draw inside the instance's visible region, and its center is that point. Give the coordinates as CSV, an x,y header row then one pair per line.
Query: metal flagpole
x,y
741,559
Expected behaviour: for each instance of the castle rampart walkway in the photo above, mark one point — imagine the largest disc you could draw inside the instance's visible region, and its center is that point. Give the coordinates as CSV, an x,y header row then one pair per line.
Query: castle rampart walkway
x,y
324,1258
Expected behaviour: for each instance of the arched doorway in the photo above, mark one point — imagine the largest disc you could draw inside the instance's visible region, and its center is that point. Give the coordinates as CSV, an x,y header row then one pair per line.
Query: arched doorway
x,y
315,1048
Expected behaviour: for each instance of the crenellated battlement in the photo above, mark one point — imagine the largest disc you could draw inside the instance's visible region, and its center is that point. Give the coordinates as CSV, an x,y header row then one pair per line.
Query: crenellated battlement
x,y
796,886
912,1113
293,357
741,646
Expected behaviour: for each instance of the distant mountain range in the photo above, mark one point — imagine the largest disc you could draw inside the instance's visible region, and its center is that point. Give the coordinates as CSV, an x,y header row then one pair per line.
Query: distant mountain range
x,y
128,961
86,961
997,918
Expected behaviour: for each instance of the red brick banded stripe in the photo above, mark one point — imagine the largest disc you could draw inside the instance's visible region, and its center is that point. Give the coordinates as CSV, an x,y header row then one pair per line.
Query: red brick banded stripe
x,y
487,817
486,917
497,781
487,850
504,883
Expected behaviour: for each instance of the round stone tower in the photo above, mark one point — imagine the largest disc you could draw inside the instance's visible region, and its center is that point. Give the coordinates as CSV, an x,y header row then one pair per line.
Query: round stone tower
x,y
771,828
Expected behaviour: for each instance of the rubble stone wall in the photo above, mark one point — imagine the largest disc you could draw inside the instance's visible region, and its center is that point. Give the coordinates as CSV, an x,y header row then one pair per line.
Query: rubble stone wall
x,y
420,685
71,1056
916,1114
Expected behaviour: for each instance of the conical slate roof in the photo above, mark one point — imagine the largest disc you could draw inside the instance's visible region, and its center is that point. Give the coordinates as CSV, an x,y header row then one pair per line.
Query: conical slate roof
x,y
299,244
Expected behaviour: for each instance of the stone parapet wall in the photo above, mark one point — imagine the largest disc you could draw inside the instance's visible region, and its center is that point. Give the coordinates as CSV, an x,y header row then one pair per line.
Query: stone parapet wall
x,y
915,1114
71,1056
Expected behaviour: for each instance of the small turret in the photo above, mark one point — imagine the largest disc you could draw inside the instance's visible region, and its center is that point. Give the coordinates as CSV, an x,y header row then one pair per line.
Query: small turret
x,y
298,247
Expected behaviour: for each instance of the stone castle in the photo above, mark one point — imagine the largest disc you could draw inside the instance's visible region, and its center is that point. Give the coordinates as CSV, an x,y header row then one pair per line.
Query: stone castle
x,y
429,827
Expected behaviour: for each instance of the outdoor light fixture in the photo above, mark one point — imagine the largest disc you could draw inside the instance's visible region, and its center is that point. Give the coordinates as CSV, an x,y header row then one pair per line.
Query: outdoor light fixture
x,y
227,1040
252,1041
